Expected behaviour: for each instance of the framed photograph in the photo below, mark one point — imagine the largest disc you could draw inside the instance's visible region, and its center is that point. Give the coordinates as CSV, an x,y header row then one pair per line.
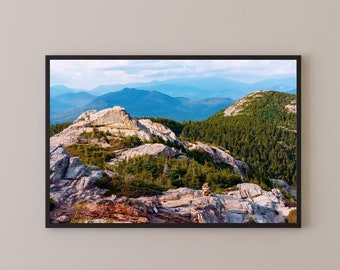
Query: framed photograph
x,y
173,141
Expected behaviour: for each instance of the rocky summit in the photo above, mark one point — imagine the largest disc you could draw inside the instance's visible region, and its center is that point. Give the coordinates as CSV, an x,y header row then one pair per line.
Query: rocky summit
x,y
238,107
115,121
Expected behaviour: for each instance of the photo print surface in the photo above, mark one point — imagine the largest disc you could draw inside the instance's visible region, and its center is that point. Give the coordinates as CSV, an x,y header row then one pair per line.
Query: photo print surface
x,y
173,141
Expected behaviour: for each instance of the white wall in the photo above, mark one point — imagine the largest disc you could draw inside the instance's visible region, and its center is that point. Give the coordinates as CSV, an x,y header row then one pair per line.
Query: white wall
x,y
30,29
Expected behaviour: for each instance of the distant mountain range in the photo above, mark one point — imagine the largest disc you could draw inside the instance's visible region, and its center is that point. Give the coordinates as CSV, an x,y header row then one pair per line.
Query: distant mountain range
x,y
57,90
62,103
193,88
140,103
178,99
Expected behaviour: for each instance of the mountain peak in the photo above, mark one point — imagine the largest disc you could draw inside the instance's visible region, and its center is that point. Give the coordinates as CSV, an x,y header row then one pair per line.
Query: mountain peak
x,y
116,121
113,117
263,102
238,107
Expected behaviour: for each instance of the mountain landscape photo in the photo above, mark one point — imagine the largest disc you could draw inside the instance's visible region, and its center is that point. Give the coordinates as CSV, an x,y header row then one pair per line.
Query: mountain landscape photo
x,y
173,142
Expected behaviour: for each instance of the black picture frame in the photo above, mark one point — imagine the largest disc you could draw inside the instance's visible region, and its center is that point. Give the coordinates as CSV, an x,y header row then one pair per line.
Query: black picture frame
x,y
50,224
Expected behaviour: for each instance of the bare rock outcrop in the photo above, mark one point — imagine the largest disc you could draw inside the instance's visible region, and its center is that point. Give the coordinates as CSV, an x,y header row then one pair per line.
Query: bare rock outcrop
x,y
116,121
221,156
158,129
59,160
238,107
284,185
291,108
151,149
183,205
77,199
71,182
115,117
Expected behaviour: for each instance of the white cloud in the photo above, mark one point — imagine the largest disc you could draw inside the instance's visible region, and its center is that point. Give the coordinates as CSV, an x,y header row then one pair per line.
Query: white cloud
x,y
87,74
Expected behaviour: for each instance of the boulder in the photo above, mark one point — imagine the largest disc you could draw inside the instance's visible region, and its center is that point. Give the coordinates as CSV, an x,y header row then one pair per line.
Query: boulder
x,y
59,161
248,190
75,169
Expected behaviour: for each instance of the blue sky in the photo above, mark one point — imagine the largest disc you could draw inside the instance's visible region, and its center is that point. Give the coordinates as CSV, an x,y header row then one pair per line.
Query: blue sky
x,y
88,74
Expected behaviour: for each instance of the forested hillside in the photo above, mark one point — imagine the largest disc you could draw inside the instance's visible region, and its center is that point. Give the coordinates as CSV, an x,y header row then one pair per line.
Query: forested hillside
x,y
260,129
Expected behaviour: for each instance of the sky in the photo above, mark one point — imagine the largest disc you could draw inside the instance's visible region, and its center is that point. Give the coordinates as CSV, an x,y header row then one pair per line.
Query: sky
x,y
88,74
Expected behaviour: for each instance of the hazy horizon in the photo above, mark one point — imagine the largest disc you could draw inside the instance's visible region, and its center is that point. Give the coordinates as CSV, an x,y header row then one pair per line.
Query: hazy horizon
x,y
89,74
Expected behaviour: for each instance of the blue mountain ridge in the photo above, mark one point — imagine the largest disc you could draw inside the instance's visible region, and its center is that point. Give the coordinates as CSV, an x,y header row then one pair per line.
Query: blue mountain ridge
x,y
140,103
178,99
63,103
199,88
